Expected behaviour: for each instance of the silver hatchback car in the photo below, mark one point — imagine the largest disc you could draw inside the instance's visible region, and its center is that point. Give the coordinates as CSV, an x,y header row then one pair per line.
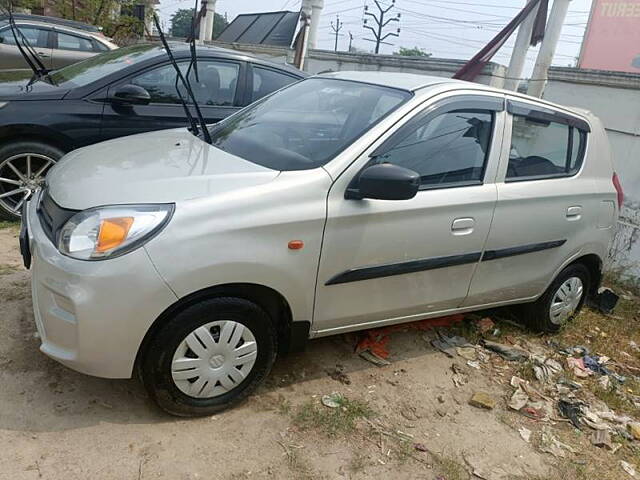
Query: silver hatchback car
x,y
343,202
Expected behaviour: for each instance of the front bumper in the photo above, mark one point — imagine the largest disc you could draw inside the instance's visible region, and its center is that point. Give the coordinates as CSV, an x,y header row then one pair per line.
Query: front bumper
x,y
92,316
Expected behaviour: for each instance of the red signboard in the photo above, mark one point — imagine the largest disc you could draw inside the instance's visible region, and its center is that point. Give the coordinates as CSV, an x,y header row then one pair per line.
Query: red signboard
x,y
612,39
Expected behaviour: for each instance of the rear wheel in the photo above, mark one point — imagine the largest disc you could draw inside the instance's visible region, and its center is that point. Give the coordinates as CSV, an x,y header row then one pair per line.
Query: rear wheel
x,y
23,167
209,356
561,302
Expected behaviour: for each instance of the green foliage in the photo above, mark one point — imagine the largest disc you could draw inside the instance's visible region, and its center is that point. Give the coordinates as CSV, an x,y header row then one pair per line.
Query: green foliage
x,y
181,23
332,421
412,52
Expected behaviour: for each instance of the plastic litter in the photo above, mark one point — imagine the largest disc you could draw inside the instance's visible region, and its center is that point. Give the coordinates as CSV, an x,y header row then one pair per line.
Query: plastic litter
x,y
630,469
507,352
525,433
605,301
333,400
571,409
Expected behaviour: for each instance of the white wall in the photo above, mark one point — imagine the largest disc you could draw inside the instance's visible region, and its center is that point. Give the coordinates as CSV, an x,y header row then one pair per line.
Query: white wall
x,y
615,98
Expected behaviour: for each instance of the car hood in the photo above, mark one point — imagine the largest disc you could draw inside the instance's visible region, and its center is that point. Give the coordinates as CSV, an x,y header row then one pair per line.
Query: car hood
x,y
160,167
31,90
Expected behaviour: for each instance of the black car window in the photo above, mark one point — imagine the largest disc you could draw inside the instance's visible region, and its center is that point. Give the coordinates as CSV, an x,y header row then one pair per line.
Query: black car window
x,y
544,149
99,66
451,148
216,83
37,37
74,42
267,81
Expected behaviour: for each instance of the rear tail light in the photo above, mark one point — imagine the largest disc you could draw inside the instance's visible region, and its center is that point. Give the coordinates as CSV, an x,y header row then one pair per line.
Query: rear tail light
x,y
618,186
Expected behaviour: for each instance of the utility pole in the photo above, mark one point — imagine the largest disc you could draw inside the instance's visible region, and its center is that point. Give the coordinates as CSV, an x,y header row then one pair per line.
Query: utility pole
x,y
336,31
380,23
548,48
519,54
350,40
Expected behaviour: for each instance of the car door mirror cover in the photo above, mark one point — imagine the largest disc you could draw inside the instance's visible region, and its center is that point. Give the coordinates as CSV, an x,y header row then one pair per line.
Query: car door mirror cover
x,y
130,95
386,181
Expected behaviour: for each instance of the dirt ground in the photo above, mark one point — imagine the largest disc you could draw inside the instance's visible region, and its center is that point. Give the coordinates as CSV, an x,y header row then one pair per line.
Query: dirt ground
x,y
58,424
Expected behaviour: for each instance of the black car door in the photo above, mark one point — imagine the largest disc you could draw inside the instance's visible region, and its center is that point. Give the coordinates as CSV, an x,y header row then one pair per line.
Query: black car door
x,y
218,88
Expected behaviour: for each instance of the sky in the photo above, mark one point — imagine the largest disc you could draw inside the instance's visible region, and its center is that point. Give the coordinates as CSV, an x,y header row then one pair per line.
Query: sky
x,y
444,28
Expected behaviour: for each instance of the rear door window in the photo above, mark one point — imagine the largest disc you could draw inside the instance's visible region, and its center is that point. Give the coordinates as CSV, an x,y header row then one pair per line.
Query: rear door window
x,y
544,149
266,81
37,37
74,42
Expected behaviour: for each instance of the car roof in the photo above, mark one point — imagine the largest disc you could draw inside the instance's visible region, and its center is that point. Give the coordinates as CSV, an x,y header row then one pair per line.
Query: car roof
x,y
53,21
413,82
181,50
403,81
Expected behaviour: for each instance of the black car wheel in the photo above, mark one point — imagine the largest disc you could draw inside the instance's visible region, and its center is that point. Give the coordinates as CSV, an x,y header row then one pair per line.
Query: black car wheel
x,y
209,356
23,166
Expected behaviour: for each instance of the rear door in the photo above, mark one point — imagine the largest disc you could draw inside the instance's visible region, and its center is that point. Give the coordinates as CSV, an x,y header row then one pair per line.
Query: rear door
x,y
546,208
216,90
70,48
38,38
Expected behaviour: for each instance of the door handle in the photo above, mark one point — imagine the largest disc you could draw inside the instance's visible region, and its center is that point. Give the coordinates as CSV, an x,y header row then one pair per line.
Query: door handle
x,y
463,226
574,213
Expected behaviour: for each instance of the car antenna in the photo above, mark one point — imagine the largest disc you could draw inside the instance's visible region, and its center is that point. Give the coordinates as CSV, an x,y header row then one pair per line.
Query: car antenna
x,y
23,44
179,77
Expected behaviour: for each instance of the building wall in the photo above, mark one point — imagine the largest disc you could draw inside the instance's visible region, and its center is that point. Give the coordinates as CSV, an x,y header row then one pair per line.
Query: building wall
x,y
328,61
615,98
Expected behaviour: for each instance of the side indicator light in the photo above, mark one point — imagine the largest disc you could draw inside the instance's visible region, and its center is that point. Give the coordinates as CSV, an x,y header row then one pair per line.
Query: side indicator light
x,y
296,245
113,231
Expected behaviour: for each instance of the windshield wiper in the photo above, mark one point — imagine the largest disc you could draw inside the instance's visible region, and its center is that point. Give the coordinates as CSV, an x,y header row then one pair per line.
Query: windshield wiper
x,y
26,50
185,82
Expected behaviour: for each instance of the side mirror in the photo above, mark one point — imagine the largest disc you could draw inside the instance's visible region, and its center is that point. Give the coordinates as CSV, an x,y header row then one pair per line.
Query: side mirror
x,y
386,181
130,95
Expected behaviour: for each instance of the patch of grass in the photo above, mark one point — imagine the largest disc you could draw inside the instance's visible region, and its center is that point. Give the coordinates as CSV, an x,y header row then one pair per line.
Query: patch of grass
x,y
284,406
332,421
525,371
299,467
615,397
6,224
357,463
449,468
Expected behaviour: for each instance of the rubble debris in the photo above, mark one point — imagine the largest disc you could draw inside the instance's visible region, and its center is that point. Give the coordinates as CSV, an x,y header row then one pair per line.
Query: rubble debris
x,y
593,420
545,369
333,400
468,353
634,429
482,400
550,444
449,345
604,382
571,409
338,374
475,365
485,325
630,469
507,352
518,400
596,365
576,365
605,300
602,439
525,434
372,357
375,340
459,377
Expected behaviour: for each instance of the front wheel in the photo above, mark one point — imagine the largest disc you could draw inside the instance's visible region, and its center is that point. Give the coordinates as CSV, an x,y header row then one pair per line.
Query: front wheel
x,y
209,356
23,167
561,302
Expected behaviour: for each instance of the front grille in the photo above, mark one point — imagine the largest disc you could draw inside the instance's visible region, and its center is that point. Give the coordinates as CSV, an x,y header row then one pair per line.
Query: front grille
x,y
52,216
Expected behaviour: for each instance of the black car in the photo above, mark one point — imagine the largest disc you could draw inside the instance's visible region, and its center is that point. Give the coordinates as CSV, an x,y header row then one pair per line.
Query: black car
x,y
121,92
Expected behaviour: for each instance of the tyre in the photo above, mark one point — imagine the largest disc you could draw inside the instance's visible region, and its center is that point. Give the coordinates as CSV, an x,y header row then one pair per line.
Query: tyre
x,y
209,356
23,166
561,302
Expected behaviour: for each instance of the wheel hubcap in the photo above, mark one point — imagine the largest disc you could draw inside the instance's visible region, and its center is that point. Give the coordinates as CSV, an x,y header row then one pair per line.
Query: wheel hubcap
x,y
566,300
214,359
20,176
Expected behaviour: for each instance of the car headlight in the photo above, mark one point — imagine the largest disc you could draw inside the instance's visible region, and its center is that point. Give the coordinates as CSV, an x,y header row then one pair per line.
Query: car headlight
x,y
107,232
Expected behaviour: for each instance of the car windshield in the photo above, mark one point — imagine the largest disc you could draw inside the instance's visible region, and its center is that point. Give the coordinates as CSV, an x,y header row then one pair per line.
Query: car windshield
x,y
307,124
94,68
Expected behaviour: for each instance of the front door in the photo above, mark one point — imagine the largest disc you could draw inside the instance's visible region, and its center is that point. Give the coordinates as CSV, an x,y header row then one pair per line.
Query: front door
x,y
391,261
215,90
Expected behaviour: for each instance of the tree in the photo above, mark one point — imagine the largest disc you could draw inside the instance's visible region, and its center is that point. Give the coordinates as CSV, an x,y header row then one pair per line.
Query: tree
x,y
181,23
412,52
